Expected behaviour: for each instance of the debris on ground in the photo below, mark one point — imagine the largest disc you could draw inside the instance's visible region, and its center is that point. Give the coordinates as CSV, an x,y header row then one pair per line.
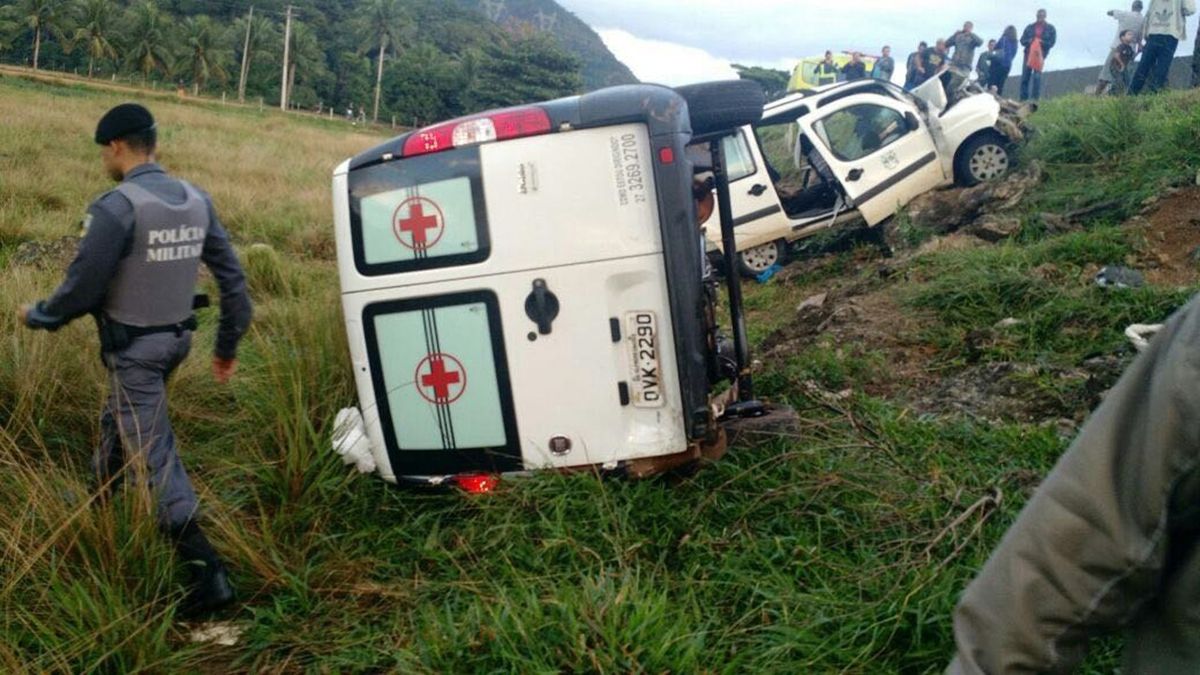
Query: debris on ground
x,y
768,273
813,302
223,633
996,230
945,211
1115,276
1022,392
1141,334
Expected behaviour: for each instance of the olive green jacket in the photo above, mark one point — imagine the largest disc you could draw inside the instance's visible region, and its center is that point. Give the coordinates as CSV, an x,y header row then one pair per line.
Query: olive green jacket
x,y
1109,541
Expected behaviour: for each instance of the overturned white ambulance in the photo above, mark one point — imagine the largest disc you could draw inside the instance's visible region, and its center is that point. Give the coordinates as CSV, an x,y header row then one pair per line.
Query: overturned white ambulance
x,y
526,289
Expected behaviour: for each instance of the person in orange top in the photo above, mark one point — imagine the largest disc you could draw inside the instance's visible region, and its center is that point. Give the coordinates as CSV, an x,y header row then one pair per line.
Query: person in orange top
x,y
1038,39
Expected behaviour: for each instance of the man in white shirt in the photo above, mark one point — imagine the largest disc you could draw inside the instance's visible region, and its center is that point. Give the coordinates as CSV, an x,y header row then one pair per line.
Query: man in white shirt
x,y
1166,26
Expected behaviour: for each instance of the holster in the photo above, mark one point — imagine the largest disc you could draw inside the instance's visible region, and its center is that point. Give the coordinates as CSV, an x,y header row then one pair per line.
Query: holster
x,y
114,336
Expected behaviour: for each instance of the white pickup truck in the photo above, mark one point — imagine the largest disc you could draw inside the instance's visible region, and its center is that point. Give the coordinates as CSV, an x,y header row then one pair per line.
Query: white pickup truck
x,y
852,151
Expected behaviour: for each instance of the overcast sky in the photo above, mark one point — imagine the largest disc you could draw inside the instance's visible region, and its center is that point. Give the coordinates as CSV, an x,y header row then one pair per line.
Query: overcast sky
x,y
681,41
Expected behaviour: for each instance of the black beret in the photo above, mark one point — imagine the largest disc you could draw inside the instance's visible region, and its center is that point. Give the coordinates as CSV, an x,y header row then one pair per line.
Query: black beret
x,y
125,119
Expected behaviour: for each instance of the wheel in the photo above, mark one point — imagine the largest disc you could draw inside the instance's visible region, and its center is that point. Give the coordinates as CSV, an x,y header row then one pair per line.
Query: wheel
x,y
723,106
983,158
754,261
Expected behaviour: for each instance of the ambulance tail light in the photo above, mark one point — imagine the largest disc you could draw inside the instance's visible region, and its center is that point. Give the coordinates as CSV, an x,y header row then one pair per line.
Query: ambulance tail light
x,y
477,483
500,126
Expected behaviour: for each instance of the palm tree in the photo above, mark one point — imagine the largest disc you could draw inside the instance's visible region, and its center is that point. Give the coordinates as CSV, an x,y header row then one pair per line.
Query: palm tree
x,y
379,22
8,27
41,16
96,22
262,38
147,51
202,53
307,58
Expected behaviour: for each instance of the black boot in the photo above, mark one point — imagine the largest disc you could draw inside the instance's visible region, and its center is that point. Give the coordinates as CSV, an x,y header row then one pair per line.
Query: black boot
x,y
209,589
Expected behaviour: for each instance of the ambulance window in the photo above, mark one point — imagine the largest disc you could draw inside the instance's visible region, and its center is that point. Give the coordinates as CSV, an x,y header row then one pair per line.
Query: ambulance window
x,y
441,381
738,157
420,213
861,130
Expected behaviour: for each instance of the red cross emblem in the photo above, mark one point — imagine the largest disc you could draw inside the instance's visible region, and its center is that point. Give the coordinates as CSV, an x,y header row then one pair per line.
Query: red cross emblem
x,y
419,223
441,379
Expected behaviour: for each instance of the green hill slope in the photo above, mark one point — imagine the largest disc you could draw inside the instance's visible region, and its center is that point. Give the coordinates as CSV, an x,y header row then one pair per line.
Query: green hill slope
x,y
600,67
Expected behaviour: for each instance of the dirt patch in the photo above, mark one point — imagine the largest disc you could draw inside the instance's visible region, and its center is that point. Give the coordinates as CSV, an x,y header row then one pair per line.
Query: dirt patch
x,y
1170,230
46,254
861,315
1033,394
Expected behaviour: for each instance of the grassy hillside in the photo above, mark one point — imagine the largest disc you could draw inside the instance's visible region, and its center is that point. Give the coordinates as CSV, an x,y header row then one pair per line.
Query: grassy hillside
x,y
839,549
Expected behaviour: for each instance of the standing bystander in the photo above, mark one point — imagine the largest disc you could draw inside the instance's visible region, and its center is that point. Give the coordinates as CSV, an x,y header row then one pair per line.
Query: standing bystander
x,y
983,68
1133,21
1117,67
1006,53
1038,39
885,66
1166,26
856,69
827,71
915,68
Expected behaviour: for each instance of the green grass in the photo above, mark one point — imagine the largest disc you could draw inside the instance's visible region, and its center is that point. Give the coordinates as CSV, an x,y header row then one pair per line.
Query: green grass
x,y
1115,150
836,550
1065,317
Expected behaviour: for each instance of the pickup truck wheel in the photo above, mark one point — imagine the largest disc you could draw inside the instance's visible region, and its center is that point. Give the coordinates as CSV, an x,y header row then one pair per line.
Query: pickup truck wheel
x,y
983,158
754,261
722,106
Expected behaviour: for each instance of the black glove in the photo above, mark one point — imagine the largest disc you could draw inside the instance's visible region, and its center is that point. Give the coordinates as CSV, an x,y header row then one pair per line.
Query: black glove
x,y
37,318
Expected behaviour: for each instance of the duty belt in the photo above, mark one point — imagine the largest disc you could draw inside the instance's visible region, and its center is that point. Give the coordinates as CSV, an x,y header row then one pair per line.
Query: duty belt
x,y
176,328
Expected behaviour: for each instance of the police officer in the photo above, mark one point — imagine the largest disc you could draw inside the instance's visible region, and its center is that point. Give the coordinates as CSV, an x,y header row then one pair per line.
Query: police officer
x,y
136,273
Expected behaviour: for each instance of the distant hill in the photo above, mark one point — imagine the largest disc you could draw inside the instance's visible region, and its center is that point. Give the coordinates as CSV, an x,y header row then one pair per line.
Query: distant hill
x,y
443,58
1057,83
600,67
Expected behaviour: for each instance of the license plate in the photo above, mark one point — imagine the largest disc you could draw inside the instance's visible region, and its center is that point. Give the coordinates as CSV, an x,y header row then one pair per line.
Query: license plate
x,y
647,389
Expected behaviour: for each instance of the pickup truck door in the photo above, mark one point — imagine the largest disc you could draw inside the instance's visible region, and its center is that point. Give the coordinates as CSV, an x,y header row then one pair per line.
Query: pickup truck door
x,y
878,149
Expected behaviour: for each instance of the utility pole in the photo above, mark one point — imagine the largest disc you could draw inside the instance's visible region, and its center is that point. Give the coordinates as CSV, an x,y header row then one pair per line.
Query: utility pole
x,y
287,43
379,77
245,58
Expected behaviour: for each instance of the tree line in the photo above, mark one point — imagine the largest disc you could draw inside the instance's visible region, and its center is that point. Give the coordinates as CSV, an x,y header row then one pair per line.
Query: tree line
x,y
413,60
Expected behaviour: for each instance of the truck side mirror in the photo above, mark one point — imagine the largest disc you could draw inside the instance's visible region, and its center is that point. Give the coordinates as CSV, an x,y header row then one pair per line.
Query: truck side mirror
x,y
914,124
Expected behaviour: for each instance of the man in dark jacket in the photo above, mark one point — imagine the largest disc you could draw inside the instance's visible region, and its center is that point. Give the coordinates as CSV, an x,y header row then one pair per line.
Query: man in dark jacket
x,y
1038,39
856,69
136,273
1111,540
915,65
